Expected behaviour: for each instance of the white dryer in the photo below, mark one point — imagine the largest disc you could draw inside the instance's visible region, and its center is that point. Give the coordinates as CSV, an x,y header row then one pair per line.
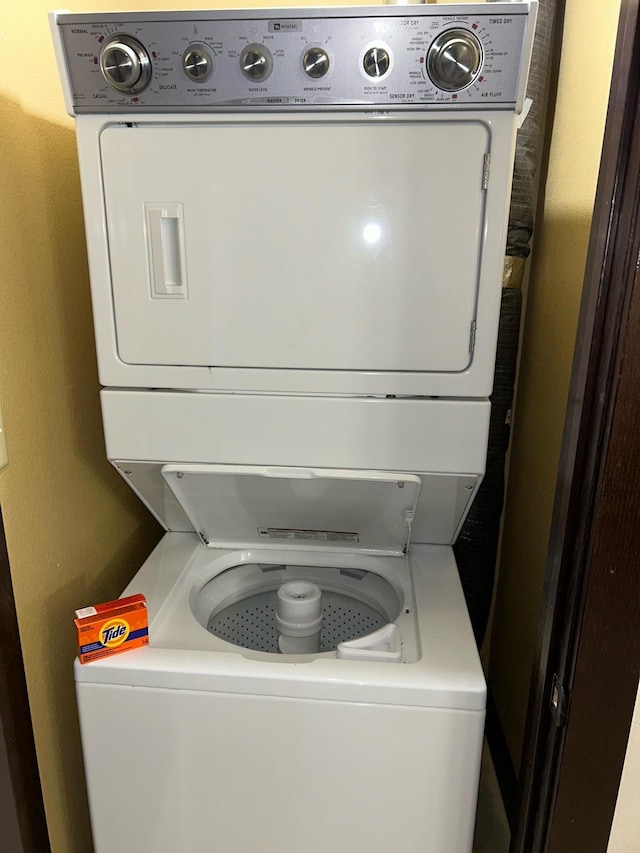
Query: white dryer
x,y
296,223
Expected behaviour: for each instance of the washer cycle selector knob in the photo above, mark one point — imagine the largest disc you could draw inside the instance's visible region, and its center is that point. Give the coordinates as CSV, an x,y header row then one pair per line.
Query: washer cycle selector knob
x,y
315,62
256,62
197,62
376,62
125,64
454,60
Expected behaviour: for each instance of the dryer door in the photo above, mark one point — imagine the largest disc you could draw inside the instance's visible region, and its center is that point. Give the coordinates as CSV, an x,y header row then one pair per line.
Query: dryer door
x,y
334,245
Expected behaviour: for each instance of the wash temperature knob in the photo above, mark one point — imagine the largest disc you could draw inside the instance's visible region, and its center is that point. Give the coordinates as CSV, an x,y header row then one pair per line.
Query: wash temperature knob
x,y
197,63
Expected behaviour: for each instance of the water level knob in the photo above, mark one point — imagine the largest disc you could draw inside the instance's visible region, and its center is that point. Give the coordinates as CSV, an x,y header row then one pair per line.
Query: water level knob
x,y
454,60
256,62
125,64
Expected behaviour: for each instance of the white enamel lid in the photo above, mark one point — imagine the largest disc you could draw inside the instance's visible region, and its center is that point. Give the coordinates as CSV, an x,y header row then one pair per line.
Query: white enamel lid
x,y
234,506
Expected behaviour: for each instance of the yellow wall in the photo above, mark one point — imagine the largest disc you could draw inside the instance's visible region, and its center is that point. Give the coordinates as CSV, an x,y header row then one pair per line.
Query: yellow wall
x,y
553,301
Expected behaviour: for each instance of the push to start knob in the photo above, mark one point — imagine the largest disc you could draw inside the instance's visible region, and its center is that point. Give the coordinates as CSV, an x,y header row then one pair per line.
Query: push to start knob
x,y
376,62
125,64
454,60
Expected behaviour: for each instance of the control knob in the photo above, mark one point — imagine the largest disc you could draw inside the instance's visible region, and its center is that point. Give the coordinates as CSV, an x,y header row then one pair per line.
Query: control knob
x,y
256,62
125,64
315,62
197,62
376,62
454,59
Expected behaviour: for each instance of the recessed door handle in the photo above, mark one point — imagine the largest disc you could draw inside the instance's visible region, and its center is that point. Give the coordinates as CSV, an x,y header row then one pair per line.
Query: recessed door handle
x,y
165,245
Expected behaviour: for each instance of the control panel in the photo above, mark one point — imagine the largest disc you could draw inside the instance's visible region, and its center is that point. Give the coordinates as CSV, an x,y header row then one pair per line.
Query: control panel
x,y
399,56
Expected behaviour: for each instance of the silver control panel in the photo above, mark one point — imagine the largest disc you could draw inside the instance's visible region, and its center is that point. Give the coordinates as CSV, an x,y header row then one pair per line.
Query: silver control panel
x,y
358,57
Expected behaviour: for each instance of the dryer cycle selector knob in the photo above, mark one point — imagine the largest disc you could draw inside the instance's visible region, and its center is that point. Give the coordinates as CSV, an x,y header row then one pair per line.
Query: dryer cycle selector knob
x,y
256,62
454,60
125,64
376,61
315,62
197,62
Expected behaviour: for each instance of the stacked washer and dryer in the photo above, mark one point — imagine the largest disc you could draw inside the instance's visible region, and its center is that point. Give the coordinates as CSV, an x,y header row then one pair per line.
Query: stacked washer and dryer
x,y
296,222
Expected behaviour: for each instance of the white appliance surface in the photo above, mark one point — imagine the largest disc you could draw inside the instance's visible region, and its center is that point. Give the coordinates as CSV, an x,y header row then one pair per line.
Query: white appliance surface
x,y
295,222
441,441
356,755
346,237
301,266
248,506
383,278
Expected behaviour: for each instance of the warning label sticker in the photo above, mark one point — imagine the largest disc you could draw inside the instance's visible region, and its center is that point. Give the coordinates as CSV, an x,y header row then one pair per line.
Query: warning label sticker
x,y
314,535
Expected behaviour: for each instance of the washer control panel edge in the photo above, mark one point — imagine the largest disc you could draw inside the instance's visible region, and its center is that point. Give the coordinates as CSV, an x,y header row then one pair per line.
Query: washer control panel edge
x,y
392,57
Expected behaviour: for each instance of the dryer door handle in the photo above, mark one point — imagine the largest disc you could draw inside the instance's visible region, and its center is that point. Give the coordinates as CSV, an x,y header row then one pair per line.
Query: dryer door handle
x,y
165,245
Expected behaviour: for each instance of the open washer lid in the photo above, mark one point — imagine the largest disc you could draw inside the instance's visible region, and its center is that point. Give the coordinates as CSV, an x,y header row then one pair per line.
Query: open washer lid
x,y
321,509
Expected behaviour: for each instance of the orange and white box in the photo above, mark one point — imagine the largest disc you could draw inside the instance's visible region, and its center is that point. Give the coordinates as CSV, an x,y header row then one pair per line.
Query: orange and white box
x,y
113,627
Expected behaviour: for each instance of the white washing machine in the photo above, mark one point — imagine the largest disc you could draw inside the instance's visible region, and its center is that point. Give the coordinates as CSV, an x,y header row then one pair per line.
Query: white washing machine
x,y
296,223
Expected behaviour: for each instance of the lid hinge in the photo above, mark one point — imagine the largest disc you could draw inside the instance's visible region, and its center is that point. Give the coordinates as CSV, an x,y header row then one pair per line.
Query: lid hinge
x,y
558,703
472,337
408,520
486,165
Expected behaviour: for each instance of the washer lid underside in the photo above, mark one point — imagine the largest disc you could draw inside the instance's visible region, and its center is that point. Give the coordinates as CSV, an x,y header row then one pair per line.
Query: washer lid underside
x,y
322,509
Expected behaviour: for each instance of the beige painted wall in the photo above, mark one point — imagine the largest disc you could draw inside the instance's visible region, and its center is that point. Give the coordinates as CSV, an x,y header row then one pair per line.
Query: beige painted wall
x,y
625,832
553,301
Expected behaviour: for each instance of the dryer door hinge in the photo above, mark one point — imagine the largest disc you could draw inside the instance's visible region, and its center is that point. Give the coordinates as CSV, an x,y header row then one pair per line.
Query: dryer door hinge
x,y
486,165
472,337
558,703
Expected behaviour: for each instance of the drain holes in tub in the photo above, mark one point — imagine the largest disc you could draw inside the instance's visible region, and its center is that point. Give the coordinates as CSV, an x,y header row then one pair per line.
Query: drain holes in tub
x,y
251,623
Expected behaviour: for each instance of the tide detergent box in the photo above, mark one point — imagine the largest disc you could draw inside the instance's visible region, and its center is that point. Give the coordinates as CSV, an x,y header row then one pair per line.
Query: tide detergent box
x,y
113,627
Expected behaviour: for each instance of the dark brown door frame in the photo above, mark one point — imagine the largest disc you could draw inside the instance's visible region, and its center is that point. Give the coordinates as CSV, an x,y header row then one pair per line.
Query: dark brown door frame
x,y
27,808
589,639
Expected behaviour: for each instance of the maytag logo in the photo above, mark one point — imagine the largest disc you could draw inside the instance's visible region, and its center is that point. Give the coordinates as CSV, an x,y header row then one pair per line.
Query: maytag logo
x,y
280,26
